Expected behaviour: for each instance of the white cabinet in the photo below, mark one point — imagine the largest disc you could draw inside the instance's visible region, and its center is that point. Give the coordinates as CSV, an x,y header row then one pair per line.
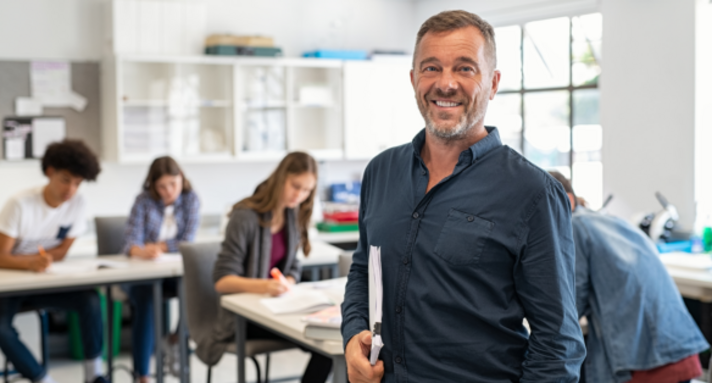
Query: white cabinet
x,y
206,109
287,105
380,109
164,106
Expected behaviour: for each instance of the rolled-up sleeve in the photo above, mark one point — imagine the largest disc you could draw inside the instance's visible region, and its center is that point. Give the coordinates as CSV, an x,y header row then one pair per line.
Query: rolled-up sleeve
x,y
545,284
354,310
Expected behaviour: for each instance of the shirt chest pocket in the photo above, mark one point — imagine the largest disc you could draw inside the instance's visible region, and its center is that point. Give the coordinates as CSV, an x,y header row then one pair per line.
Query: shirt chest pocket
x,y
462,238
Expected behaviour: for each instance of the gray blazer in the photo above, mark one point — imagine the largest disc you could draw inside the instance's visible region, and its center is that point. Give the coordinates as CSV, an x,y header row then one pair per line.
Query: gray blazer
x,y
246,252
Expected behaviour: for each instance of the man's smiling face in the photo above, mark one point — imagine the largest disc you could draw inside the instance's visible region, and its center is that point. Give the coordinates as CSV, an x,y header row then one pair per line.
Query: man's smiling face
x,y
453,81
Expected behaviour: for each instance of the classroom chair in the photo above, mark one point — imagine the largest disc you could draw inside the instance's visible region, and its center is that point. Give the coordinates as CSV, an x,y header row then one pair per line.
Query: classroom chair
x,y
110,234
203,303
44,333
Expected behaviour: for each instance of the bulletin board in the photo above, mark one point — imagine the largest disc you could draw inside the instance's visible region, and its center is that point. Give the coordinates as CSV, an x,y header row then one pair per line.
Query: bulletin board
x,y
86,80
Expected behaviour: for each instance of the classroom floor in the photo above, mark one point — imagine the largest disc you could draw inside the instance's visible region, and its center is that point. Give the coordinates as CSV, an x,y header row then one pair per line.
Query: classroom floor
x,y
285,367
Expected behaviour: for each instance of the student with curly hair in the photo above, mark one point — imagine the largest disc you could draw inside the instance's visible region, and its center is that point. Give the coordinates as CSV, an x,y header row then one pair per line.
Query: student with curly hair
x,y
50,217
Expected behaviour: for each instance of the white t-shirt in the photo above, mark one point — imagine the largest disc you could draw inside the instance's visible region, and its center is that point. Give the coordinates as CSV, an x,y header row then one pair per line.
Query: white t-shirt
x,y
169,226
27,218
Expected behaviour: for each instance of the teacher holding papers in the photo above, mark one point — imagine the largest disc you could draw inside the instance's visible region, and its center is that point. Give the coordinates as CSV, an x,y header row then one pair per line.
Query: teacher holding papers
x,y
264,232
473,237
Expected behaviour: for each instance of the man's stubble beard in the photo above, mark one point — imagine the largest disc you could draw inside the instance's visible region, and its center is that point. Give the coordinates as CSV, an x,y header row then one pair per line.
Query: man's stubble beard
x,y
468,120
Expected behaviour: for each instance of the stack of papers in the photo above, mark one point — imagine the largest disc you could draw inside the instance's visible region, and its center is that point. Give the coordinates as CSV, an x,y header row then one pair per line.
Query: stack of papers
x,y
375,301
324,325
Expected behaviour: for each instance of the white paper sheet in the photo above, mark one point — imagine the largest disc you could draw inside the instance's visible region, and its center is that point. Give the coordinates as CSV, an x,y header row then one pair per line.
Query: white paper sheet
x,y
375,301
27,106
44,132
14,148
51,84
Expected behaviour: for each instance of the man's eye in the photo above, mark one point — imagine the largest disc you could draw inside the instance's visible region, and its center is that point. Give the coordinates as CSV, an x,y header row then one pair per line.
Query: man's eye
x,y
430,69
467,69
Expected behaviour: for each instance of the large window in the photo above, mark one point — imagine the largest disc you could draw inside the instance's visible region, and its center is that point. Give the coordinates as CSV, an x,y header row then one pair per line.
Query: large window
x,y
547,105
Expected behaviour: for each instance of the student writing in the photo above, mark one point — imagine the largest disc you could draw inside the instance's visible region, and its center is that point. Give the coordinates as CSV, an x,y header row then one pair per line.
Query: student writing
x,y
166,213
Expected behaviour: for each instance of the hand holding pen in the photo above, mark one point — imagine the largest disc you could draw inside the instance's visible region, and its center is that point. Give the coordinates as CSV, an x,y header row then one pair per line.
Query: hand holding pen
x,y
40,262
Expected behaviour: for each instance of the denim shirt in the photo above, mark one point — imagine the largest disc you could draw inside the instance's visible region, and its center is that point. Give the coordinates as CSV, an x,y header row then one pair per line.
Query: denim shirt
x,y
464,264
144,224
637,320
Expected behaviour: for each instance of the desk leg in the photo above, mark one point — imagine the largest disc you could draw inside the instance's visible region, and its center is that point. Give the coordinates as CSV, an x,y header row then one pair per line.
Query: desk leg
x,y
240,339
315,271
110,337
339,370
183,334
157,326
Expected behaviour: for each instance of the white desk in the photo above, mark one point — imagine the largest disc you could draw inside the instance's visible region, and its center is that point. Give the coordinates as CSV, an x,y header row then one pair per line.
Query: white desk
x,y
290,326
13,283
695,284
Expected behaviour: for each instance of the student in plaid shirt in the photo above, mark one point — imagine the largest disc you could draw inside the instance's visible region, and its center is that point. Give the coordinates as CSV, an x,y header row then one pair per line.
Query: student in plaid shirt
x,y
165,214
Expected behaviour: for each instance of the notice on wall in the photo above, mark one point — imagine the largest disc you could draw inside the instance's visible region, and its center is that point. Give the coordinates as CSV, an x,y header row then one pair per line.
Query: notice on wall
x,y
51,84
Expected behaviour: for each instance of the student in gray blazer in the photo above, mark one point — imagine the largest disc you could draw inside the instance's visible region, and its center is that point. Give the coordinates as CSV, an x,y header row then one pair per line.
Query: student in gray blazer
x,y
265,230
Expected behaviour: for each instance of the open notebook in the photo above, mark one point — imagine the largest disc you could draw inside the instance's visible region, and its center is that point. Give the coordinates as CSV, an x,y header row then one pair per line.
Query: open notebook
x,y
298,300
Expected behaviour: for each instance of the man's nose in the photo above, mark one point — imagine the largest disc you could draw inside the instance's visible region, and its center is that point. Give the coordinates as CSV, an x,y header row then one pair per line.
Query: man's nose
x,y
446,83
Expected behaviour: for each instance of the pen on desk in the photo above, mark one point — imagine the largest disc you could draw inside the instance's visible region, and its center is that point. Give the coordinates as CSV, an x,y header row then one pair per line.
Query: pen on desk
x,y
276,274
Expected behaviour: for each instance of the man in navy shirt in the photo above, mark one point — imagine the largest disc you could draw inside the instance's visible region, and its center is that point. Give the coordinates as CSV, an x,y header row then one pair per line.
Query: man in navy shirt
x,y
473,237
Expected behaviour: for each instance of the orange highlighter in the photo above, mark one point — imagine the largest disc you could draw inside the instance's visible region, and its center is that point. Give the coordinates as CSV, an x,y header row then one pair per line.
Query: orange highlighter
x,y
42,251
276,274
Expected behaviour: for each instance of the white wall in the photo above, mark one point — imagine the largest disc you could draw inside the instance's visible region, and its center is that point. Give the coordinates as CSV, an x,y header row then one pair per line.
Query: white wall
x,y
507,12
703,113
304,25
75,29
648,105
52,29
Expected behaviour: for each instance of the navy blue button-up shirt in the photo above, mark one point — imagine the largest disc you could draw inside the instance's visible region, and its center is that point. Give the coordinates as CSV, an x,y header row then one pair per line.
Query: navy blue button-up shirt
x,y
464,264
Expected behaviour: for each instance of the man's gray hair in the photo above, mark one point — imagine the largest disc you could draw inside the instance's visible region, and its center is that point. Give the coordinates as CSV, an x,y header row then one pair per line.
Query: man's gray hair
x,y
451,20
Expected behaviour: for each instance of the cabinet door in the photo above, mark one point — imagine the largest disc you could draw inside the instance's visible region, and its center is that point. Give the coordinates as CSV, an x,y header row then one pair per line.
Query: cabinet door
x,y
380,110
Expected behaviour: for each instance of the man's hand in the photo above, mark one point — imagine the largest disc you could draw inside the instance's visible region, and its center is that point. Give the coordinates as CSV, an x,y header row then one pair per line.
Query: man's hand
x,y
357,363
38,262
274,287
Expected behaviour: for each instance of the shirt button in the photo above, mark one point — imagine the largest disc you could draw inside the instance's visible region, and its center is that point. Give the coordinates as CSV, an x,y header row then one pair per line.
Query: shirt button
x,y
470,218
424,172
398,359
398,309
405,260
416,215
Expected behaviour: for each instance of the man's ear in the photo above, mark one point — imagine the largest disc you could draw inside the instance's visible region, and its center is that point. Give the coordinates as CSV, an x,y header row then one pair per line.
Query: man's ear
x,y
496,75
572,200
412,78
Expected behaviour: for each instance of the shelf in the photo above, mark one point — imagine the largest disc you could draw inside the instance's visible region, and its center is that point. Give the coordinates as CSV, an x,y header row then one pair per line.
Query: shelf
x,y
264,105
166,103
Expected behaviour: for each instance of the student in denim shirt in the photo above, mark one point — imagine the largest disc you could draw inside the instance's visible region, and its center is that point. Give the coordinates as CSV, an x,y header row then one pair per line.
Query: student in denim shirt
x,y
165,214
639,328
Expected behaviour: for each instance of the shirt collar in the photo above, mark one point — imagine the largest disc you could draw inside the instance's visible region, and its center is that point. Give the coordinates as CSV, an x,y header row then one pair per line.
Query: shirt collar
x,y
474,152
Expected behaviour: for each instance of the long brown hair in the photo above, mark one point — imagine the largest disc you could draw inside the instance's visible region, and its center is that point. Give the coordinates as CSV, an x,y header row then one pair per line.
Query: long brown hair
x,y
268,194
164,166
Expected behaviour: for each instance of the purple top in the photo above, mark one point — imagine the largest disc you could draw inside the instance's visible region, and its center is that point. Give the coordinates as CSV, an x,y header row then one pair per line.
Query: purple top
x,y
279,248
